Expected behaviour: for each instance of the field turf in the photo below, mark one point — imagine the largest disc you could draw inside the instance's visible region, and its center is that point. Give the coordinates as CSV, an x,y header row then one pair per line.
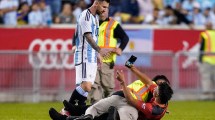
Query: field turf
x,y
179,110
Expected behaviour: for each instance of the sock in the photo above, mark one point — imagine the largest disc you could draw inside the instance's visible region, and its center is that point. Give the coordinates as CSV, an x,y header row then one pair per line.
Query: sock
x,y
81,91
78,96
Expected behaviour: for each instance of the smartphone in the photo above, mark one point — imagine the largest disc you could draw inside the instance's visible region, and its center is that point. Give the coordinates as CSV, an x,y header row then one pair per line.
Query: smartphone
x,y
130,61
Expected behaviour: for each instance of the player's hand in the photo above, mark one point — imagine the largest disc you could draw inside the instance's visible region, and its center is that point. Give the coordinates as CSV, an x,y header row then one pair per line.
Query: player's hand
x,y
99,61
118,51
120,76
105,53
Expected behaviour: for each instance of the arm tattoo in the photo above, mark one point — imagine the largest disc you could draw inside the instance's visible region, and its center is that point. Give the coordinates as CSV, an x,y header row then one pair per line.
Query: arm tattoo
x,y
92,42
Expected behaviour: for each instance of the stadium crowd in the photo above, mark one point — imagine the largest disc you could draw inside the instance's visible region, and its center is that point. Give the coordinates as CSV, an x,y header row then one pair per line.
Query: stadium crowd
x,y
159,12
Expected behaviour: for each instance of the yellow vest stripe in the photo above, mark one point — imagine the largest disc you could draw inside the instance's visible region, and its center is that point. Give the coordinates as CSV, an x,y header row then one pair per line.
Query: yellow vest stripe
x,y
108,32
208,41
139,90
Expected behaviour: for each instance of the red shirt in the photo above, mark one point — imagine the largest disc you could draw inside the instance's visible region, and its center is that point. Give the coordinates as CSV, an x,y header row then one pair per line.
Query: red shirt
x,y
151,110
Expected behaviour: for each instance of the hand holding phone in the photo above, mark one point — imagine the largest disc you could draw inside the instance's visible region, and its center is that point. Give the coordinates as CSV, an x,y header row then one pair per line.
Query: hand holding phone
x,y
130,61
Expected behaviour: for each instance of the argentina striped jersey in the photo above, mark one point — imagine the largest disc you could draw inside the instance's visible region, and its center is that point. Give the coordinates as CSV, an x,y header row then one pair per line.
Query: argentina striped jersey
x,y
87,23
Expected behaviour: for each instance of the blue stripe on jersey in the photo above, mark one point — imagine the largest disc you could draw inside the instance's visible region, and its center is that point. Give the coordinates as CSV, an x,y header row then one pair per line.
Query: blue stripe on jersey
x,y
89,53
84,72
77,52
87,17
95,58
89,48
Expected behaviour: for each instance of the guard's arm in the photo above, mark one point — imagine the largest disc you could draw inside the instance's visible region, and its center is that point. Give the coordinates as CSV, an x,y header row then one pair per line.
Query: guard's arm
x,y
122,36
202,44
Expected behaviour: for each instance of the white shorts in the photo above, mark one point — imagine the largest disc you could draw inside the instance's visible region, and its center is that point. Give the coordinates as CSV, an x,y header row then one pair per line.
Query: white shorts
x,y
86,72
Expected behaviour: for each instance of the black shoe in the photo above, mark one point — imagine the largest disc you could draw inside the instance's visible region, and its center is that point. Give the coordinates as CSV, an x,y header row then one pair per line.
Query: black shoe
x,y
85,117
68,106
112,113
75,110
55,115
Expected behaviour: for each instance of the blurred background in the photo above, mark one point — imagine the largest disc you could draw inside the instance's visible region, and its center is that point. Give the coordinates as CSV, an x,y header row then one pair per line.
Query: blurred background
x,y
36,62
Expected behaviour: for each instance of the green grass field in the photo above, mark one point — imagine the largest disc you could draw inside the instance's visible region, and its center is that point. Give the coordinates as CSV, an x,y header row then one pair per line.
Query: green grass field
x,y
179,110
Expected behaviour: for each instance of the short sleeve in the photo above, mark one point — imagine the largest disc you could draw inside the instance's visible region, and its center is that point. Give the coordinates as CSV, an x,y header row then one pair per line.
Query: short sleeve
x,y
86,24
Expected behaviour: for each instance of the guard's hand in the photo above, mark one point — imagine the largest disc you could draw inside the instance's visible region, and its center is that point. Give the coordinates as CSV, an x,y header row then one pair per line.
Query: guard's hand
x,y
118,51
105,53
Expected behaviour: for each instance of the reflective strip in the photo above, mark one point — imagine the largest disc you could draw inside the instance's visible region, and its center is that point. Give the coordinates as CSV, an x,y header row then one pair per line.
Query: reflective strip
x,y
107,33
208,41
142,89
139,94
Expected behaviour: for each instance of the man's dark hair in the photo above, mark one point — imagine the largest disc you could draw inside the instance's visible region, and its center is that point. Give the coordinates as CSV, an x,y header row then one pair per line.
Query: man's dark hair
x,y
162,77
165,92
168,7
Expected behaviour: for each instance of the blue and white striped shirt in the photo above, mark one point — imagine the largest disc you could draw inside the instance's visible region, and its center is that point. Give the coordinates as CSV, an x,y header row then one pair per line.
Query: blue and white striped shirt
x,y
87,23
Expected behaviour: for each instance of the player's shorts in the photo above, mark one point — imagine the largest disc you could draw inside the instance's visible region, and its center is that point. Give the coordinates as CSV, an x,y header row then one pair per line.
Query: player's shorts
x,y
86,72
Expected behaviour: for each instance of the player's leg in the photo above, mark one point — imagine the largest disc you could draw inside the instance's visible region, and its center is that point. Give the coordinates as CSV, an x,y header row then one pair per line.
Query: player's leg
x,y
85,77
78,97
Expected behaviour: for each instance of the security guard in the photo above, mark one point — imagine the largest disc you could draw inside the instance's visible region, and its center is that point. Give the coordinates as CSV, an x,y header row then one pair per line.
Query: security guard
x,y
207,60
110,33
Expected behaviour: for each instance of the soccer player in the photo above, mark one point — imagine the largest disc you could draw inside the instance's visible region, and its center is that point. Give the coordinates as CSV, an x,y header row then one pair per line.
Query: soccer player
x,y
110,33
87,50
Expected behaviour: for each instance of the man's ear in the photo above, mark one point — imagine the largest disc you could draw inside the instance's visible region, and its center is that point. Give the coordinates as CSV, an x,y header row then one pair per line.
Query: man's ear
x,y
96,3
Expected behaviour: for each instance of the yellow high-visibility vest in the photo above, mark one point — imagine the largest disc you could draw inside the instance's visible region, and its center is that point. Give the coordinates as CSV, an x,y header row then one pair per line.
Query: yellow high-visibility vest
x,y
209,46
139,90
106,37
